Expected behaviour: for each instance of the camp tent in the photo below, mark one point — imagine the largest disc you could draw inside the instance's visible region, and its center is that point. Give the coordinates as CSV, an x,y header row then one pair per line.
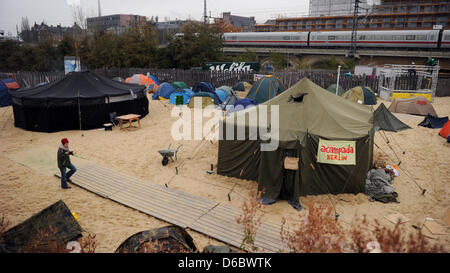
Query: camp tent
x,y
445,131
180,85
332,89
203,87
5,99
202,99
241,105
7,85
56,106
385,120
361,94
319,115
221,94
266,88
173,97
242,86
169,238
56,220
414,106
163,91
433,122
141,79
228,90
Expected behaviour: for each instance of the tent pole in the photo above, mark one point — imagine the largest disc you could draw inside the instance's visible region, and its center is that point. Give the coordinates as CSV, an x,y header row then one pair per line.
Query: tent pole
x,y
79,109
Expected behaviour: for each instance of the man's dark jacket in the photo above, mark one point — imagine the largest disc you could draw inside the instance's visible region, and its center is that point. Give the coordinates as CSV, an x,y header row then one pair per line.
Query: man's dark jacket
x,y
63,158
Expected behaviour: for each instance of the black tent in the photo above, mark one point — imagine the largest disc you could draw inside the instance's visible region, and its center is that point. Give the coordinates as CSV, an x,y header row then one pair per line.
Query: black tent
x,y
433,122
55,220
56,106
385,120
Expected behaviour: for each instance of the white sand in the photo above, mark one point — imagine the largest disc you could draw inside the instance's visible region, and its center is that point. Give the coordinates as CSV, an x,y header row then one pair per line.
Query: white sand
x,y
28,160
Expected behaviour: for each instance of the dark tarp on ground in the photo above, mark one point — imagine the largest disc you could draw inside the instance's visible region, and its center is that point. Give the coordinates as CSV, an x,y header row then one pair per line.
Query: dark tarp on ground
x,y
170,239
55,106
56,216
319,114
385,120
433,122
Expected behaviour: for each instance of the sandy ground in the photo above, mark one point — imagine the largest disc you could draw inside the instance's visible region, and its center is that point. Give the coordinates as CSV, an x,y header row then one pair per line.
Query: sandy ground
x,y
28,161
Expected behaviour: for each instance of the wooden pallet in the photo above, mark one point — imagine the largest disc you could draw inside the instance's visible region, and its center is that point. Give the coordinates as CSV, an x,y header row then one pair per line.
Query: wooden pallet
x,y
205,216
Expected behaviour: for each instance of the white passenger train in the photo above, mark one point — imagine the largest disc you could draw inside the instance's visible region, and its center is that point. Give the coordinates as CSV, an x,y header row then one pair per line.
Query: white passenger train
x,y
422,39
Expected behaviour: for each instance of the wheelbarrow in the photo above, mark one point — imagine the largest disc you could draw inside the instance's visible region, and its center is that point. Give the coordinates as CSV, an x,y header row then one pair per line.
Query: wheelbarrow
x,y
169,153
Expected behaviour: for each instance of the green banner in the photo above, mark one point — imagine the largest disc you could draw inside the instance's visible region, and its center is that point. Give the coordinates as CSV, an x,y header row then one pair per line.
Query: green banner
x,y
336,152
232,66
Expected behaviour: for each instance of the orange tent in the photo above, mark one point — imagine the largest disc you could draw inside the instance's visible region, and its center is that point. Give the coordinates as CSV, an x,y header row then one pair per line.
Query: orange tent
x,y
445,131
143,80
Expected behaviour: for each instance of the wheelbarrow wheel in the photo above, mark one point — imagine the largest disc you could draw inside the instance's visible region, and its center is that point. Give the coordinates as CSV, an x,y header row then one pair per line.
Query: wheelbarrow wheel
x,y
165,161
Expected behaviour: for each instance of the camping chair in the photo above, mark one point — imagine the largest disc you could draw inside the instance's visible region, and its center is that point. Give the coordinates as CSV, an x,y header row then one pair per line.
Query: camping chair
x,y
113,119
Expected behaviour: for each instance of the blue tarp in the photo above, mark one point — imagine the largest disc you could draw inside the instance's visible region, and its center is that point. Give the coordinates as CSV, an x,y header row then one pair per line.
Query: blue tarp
x,y
433,122
164,90
174,95
5,99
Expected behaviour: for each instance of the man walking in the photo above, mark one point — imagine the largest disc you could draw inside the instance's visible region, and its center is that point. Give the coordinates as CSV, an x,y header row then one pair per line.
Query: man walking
x,y
64,162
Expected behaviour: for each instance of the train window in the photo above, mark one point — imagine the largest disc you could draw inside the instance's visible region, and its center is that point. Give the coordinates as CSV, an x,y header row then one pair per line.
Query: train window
x,y
399,37
286,38
432,37
410,37
388,37
331,38
361,37
421,37
447,37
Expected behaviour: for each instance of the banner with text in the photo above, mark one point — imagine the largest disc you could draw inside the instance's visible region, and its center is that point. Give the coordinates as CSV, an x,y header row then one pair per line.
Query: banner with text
x,y
336,152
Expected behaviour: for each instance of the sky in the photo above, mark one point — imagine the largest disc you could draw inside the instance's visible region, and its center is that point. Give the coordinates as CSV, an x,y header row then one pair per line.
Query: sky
x,y
54,12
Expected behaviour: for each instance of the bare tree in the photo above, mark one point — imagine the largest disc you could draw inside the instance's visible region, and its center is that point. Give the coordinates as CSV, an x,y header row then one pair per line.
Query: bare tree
x,y
25,31
79,16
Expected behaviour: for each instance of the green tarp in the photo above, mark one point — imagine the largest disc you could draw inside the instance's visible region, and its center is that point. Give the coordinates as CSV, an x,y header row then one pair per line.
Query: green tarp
x,y
180,85
385,120
56,222
307,112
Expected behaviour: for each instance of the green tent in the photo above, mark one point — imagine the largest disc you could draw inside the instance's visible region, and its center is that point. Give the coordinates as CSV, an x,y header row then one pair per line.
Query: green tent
x,y
266,88
332,89
361,94
308,114
385,120
180,85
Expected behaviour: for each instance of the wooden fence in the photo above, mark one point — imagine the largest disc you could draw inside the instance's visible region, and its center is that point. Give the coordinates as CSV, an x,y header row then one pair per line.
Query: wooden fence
x,y
322,78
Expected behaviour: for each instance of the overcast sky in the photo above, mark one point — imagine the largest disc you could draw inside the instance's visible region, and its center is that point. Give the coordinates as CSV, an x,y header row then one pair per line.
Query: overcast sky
x,y
59,11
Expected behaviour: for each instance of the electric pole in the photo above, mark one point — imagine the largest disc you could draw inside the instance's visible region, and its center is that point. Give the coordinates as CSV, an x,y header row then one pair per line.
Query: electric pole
x,y
354,29
205,16
99,9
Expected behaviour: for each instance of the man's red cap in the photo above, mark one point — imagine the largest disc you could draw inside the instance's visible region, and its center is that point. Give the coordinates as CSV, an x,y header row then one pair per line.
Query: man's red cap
x,y
64,141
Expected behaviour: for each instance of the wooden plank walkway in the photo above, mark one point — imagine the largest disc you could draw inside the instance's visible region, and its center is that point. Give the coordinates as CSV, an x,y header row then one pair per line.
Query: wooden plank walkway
x,y
213,219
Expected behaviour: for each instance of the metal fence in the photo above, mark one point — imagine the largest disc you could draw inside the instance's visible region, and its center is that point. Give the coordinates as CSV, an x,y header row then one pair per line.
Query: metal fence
x,y
323,78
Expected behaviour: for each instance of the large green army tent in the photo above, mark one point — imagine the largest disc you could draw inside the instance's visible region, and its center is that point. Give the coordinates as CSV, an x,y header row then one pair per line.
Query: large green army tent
x,y
308,115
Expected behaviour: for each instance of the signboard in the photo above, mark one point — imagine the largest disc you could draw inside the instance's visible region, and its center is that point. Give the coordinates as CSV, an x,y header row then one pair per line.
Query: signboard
x,y
336,152
71,64
428,96
437,27
232,66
